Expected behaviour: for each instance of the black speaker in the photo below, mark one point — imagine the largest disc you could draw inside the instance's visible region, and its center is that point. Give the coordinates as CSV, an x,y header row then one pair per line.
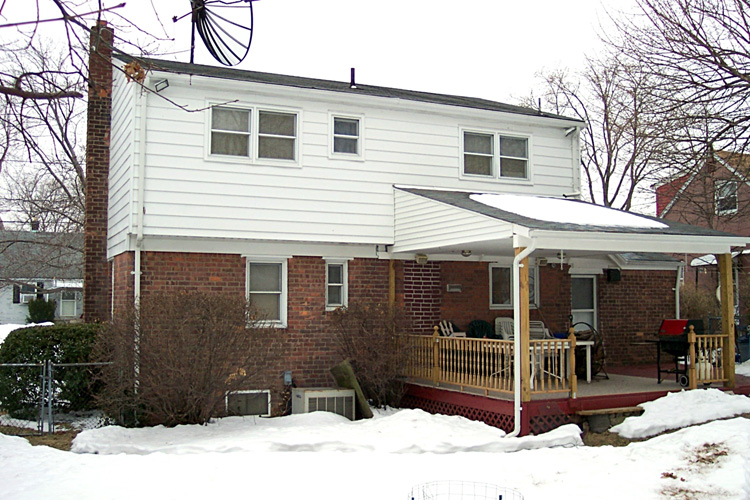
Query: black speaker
x,y
613,275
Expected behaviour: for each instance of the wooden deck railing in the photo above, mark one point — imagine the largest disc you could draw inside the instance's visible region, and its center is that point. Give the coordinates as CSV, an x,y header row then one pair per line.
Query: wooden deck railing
x,y
706,353
487,364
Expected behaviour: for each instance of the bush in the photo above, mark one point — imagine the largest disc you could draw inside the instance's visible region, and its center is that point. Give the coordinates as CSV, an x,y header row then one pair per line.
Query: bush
x,y
41,311
176,358
20,387
372,336
698,302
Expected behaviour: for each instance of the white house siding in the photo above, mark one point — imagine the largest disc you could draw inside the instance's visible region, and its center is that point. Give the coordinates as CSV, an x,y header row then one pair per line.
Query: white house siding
x,y
188,194
122,157
421,223
11,313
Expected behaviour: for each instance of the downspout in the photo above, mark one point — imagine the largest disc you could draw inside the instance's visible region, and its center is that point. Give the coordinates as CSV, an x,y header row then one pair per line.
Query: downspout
x,y
140,188
140,207
680,271
517,338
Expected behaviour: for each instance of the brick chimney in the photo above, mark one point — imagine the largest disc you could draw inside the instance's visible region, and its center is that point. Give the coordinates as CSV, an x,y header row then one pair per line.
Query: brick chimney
x,y
96,276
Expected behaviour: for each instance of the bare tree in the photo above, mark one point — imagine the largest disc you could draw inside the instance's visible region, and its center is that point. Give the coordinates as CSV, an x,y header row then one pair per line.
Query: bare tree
x,y
623,142
700,52
44,171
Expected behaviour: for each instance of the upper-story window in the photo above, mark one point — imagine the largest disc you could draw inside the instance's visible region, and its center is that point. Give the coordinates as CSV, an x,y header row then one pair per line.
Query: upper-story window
x,y
726,197
277,135
230,131
260,135
346,135
495,155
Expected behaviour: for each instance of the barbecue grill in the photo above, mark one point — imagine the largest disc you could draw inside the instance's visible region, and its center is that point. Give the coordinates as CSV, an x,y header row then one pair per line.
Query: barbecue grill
x,y
673,340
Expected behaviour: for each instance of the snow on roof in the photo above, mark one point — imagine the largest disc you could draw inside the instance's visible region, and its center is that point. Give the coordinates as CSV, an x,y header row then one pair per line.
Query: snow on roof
x,y
710,259
565,211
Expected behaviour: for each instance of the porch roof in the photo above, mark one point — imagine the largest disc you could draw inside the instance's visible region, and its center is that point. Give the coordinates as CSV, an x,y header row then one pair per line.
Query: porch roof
x,y
447,222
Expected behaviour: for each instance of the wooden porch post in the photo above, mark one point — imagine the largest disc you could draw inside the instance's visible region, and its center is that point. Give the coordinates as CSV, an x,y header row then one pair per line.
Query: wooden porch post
x,y
523,286
727,315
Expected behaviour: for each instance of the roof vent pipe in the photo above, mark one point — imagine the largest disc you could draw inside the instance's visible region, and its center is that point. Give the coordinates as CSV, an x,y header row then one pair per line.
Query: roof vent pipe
x,y
352,85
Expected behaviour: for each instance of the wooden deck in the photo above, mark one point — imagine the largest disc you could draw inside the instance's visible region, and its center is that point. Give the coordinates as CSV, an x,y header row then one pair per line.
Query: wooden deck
x,y
625,387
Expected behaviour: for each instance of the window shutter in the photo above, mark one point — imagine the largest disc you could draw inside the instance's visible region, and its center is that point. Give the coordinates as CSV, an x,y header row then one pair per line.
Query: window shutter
x,y
16,294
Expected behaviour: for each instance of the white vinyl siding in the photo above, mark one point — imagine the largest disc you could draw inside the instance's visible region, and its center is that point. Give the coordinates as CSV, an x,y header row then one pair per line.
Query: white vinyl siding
x,y
194,195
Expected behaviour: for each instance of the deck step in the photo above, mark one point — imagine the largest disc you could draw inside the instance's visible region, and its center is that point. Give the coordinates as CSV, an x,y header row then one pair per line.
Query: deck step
x,y
602,419
610,411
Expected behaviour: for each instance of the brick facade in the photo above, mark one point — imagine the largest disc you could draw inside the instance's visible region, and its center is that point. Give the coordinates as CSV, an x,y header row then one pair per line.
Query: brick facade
x,y
422,296
95,268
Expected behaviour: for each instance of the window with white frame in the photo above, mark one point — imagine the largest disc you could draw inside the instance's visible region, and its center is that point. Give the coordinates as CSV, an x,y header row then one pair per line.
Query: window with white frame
x,y
478,153
230,131
501,286
346,136
495,155
26,292
267,289
277,135
69,303
336,284
726,197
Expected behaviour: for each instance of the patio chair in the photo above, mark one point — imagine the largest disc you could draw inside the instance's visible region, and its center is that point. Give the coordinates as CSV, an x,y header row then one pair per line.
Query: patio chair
x,y
449,329
504,329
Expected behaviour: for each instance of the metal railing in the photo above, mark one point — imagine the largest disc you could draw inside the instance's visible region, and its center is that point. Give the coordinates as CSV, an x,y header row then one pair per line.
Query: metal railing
x,y
47,397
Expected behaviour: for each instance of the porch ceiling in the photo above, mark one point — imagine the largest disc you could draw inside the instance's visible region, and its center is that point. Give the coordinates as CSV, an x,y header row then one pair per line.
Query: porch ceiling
x,y
447,222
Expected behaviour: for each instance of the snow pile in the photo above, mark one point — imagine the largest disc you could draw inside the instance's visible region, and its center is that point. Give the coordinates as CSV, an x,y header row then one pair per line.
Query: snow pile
x,y
681,409
565,211
321,431
743,369
322,455
7,328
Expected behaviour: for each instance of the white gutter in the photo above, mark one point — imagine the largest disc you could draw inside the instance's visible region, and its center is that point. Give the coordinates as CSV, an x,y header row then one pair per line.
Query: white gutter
x,y
517,338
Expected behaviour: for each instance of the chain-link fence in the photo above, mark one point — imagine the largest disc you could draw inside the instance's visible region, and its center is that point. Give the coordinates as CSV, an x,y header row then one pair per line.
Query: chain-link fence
x,y
49,397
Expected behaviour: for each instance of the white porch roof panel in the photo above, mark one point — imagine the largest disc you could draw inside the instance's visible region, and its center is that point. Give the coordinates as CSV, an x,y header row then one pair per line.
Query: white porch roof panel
x,y
446,222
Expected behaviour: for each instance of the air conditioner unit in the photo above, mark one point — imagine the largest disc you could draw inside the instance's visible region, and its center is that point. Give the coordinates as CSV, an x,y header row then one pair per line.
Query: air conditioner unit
x,y
310,399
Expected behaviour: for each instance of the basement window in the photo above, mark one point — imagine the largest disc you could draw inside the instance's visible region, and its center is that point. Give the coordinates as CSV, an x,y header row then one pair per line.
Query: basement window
x,y
249,403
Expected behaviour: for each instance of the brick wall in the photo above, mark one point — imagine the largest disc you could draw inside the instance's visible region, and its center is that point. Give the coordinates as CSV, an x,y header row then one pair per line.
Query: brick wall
x,y
421,295
95,268
122,282
307,346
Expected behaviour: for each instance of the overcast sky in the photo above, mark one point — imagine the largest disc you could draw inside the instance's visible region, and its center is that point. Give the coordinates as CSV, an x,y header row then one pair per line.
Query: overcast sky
x,y
478,48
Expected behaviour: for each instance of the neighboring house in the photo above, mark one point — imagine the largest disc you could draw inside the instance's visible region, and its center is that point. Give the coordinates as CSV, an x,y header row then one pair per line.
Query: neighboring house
x,y
307,195
716,196
40,265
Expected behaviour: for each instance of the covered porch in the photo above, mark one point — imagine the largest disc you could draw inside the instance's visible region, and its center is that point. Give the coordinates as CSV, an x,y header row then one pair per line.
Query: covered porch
x,y
580,239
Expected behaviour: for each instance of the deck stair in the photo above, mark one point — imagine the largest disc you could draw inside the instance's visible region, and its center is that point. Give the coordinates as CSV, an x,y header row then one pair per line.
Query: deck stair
x,y
602,419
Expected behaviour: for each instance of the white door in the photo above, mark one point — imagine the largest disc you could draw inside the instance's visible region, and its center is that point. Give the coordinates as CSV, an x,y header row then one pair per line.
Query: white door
x,y
584,301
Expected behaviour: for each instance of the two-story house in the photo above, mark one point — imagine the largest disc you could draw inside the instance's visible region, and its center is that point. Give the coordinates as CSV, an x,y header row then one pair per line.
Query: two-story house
x,y
306,195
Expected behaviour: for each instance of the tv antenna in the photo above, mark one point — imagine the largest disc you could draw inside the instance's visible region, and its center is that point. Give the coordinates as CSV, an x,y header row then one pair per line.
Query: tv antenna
x,y
226,27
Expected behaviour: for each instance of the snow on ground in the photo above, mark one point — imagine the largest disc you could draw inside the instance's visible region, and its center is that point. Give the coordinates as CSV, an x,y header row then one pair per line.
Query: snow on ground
x,y
681,409
743,369
324,456
7,328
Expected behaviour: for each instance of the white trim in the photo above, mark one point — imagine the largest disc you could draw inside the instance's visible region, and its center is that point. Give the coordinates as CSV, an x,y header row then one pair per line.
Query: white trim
x,y
360,154
283,293
251,391
344,263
